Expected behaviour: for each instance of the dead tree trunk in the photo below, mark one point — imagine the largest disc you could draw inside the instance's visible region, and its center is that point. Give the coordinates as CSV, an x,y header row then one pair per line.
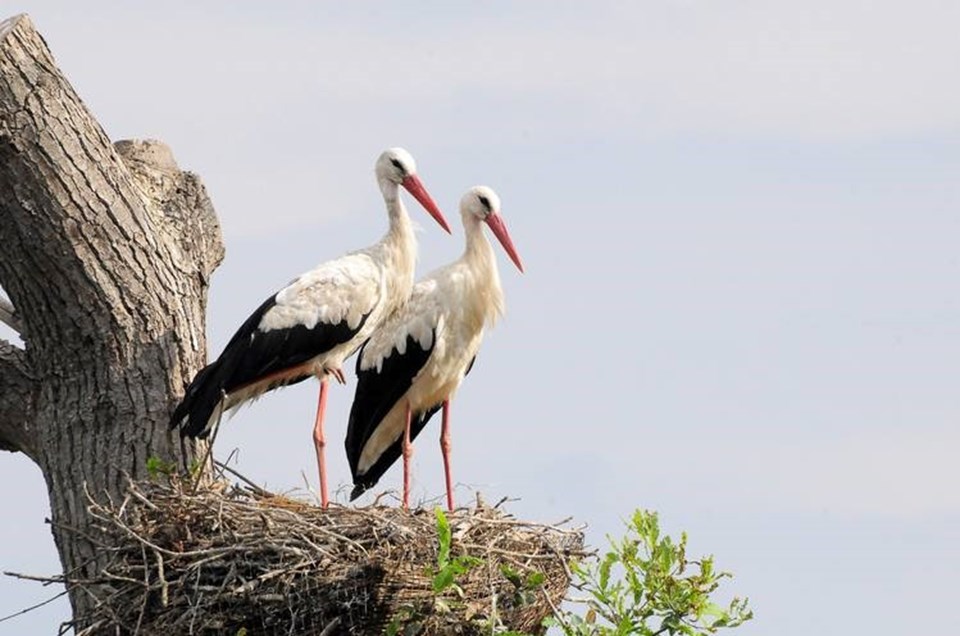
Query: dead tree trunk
x,y
105,253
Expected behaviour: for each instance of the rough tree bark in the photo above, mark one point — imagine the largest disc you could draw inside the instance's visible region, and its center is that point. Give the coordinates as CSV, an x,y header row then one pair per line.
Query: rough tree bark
x,y
105,254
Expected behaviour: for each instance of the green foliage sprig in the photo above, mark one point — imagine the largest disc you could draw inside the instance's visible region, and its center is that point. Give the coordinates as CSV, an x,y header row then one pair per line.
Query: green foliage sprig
x,y
449,570
645,585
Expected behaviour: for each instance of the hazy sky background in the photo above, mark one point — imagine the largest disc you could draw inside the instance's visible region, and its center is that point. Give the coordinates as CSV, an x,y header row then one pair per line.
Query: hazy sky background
x,y
740,226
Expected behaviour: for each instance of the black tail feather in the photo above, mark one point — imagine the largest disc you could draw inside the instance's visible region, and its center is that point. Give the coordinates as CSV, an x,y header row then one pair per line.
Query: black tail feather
x,y
358,490
203,396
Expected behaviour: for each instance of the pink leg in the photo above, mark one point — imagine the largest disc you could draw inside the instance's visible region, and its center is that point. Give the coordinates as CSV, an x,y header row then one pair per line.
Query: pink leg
x,y
320,442
407,454
445,449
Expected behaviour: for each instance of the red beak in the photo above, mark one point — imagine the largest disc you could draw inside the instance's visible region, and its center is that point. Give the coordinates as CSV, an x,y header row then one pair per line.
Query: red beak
x,y
495,221
415,187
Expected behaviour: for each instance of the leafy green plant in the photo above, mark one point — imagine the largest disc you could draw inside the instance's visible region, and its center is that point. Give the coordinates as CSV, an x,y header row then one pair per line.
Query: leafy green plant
x,y
449,569
409,619
645,585
157,467
525,587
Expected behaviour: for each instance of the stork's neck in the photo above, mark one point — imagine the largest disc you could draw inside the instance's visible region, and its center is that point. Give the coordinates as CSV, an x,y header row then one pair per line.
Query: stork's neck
x,y
399,245
482,264
401,229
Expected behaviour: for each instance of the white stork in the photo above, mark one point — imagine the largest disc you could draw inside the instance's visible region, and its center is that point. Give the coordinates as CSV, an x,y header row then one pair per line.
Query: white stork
x,y
414,363
312,325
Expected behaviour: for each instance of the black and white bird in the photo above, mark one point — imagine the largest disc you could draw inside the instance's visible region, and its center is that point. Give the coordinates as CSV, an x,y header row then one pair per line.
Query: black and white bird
x,y
312,325
413,364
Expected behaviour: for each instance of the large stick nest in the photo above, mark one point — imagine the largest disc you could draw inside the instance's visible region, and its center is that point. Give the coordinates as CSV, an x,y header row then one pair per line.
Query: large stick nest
x,y
231,560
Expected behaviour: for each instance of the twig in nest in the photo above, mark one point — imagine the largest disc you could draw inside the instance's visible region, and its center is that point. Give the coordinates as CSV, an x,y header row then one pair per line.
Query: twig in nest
x,y
504,500
46,580
208,455
146,584
256,489
330,627
556,612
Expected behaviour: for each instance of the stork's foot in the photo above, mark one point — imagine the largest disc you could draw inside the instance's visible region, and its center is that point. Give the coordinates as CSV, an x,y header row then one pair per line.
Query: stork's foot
x,y
338,374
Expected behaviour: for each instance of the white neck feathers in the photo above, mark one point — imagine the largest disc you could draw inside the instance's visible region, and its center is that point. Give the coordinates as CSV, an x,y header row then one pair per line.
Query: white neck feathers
x,y
398,247
482,263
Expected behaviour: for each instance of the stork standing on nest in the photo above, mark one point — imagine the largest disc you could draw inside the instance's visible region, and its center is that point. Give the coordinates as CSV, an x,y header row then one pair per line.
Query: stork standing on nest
x,y
413,364
312,325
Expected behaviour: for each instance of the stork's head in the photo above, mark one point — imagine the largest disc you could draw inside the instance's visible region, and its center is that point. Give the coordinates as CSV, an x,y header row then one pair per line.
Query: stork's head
x,y
395,164
396,167
483,204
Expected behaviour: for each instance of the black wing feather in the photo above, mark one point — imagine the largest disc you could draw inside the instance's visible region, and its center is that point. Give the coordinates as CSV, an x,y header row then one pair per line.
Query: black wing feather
x,y
251,355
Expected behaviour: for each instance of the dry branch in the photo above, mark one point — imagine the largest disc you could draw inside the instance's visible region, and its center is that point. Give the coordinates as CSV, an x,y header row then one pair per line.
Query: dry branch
x,y
225,558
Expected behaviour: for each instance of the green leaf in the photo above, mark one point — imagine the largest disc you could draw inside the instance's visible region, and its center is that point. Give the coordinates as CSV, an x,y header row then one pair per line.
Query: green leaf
x,y
534,580
605,566
713,610
466,561
157,467
443,535
510,574
443,580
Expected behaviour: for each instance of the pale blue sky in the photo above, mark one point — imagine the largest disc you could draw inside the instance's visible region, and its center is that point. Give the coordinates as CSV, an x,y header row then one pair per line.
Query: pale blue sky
x,y
740,226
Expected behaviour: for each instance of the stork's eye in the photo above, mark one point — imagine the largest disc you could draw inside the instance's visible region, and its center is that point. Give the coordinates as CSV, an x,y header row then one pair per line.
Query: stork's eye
x,y
396,164
485,201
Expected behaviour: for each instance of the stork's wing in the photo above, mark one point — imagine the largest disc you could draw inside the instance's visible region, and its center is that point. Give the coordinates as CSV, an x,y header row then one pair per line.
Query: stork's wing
x,y
325,307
